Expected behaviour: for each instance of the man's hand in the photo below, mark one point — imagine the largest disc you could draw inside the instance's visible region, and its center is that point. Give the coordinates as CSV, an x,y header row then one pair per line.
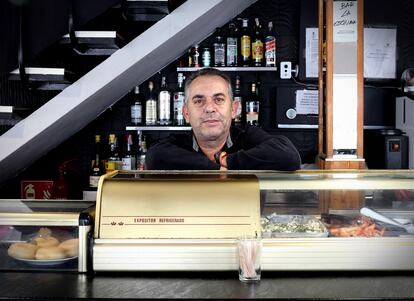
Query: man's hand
x,y
223,161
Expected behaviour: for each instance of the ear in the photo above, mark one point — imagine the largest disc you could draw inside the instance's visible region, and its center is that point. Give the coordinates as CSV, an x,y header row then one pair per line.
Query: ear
x,y
185,113
234,106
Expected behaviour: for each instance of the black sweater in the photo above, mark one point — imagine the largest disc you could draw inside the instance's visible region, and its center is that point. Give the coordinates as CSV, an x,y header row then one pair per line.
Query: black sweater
x,y
252,149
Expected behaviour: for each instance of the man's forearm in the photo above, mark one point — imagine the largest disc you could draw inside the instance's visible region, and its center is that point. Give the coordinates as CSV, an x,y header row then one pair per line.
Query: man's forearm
x,y
167,156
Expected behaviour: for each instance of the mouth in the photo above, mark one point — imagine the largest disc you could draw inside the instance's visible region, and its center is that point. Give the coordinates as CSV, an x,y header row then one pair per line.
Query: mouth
x,y
211,122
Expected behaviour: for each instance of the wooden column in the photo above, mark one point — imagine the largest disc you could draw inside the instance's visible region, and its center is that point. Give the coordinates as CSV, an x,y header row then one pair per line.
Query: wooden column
x,y
341,69
341,93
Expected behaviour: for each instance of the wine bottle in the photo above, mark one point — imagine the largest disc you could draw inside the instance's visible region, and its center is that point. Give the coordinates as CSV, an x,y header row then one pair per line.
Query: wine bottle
x,y
257,44
96,167
270,46
252,107
238,98
114,161
219,49
231,46
142,154
164,103
151,106
245,43
128,160
179,101
136,107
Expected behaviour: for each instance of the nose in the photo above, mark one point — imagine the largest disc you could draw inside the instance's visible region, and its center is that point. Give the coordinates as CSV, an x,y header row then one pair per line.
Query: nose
x,y
210,105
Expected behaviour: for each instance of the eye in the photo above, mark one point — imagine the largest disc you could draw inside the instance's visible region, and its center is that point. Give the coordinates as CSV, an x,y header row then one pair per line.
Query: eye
x,y
219,100
198,101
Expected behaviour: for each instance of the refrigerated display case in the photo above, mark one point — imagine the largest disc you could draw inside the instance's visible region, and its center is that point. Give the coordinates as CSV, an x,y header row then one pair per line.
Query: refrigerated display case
x,y
308,220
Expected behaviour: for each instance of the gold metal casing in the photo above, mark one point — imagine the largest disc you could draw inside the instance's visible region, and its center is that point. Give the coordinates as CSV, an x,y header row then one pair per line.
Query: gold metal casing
x,y
138,205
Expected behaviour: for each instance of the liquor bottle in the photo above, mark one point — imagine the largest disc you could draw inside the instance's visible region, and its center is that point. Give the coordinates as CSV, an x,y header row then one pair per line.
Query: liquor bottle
x,y
142,153
195,56
245,43
257,44
136,107
219,49
270,46
96,168
128,160
252,107
237,97
190,57
151,106
164,103
232,46
138,153
206,57
179,101
113,162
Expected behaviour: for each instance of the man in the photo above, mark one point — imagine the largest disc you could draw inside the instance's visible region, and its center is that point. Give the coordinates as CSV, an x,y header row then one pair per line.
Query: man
x,y
213,144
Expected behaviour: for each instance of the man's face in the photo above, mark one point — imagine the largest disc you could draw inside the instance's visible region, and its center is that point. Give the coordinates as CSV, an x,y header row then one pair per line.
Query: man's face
x,y
209,108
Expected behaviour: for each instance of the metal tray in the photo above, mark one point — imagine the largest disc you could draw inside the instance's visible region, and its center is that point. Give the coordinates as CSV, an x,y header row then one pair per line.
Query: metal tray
x,y
276,225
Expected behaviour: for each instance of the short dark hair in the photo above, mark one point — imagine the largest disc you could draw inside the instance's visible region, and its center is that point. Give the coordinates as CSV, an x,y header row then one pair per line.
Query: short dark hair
x,y
207,72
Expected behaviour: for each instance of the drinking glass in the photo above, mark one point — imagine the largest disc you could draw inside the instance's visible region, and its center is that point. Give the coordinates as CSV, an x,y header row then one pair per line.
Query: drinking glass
x,y
249,251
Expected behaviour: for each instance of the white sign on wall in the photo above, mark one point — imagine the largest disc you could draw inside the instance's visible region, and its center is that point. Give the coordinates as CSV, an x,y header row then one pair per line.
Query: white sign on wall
x,y
312,52
380,48
307,102
345,16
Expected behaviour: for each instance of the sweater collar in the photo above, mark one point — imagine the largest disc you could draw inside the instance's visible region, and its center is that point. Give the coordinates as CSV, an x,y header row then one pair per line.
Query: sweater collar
x,y
196,147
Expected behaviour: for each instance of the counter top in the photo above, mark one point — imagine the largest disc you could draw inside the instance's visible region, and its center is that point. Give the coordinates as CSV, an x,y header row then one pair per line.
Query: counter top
x,y
292,285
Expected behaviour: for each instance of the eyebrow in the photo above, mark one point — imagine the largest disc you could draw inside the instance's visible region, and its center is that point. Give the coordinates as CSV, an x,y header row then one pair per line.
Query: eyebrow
x,y
219,94
214,95
198,96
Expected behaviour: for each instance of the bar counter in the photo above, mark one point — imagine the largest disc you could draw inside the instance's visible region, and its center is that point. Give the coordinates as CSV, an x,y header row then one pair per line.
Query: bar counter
x,y
224,285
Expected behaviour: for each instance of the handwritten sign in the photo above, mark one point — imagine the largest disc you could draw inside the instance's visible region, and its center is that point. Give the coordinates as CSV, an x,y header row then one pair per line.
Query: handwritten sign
x,y
345,15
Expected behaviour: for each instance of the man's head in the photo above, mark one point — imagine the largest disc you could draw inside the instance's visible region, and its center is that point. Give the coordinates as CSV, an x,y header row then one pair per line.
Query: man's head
x,y
209,106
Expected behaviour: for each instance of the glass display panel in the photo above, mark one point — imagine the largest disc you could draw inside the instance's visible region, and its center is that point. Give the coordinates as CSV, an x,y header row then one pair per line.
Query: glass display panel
x,y
39,248
20,206
348,204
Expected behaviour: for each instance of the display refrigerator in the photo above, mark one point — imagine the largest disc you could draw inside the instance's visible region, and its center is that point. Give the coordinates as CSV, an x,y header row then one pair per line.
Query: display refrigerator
x,y
308,220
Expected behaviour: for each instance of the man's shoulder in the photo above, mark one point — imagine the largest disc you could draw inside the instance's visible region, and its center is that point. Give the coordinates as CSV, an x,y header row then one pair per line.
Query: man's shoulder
x,y
248,130
236,131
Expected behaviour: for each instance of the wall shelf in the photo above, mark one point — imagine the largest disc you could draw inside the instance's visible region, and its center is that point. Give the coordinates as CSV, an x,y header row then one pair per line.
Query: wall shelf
x,y
158,128
252,69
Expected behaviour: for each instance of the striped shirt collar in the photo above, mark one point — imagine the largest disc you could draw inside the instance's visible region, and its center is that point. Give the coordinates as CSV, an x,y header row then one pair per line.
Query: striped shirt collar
x,y
228,144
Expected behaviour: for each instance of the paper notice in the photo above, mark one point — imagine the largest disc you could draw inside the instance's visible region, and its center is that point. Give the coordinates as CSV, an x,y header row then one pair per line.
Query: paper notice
x,y
380,45
307,102
311,52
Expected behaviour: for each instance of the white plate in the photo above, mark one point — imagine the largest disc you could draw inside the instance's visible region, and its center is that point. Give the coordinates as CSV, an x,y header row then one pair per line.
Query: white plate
x,y
50,262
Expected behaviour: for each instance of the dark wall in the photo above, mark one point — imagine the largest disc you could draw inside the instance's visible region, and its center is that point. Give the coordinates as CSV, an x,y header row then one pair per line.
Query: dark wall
x,y
290,17
40,23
